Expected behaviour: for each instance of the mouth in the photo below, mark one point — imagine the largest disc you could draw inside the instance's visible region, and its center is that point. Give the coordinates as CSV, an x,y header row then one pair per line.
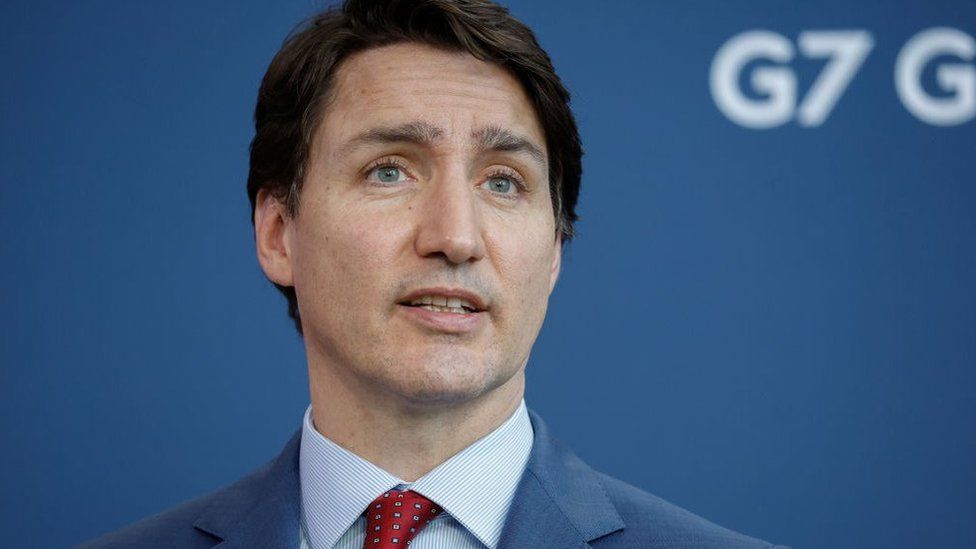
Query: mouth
x,y
442,304
459,302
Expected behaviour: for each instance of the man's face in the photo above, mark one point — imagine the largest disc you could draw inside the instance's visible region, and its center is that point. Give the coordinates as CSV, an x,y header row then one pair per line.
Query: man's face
x,y
424,250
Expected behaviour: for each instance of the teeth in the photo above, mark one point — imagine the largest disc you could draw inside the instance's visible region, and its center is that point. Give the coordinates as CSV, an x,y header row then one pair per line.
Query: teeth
x,y
444,304
437,309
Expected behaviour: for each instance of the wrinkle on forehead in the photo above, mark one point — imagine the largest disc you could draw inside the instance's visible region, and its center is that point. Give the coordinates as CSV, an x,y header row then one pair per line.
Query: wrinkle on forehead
x,y
386,84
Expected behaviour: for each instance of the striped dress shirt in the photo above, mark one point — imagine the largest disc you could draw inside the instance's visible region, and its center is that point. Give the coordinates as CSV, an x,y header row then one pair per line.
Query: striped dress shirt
x,y
475,488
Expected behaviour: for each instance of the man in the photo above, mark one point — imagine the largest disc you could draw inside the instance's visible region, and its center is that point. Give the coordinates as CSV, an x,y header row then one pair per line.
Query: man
x,y
414,176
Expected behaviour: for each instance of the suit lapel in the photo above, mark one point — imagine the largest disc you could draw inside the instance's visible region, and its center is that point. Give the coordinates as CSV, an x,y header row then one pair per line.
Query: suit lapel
x,y
559,501
536,521
261,510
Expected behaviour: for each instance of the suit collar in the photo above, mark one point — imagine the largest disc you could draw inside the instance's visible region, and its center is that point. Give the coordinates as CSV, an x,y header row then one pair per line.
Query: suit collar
x,y
560,502
262,509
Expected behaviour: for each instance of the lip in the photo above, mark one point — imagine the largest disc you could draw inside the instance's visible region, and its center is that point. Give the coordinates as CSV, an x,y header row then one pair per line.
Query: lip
x,y
452,323
459,293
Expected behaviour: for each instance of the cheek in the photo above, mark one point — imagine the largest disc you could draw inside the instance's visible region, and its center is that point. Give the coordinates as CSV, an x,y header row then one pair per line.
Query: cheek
x,y
335,255
350,252
526,263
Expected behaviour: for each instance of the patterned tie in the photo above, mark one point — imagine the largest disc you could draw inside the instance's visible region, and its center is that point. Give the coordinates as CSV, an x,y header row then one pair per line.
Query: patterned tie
x,y
394,518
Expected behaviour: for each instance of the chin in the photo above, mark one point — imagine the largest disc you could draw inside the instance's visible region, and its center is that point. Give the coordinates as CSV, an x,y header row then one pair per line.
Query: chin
x,y
444,379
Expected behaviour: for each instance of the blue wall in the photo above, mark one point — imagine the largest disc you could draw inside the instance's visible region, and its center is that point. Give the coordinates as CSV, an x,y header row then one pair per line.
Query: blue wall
x,y
775,328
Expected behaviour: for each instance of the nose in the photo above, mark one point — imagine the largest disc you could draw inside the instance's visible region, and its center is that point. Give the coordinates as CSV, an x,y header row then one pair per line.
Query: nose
x,y
450,224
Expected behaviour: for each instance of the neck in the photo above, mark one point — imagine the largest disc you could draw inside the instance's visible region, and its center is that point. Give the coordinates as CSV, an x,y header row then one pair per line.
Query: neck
x,y
406,438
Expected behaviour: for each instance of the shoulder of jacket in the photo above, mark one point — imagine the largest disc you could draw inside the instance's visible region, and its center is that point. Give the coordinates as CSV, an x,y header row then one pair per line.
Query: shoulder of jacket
x,y
654,522
174,527
170,528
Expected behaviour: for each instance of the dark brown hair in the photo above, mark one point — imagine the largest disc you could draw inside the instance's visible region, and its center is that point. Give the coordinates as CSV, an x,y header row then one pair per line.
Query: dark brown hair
x,y
298,81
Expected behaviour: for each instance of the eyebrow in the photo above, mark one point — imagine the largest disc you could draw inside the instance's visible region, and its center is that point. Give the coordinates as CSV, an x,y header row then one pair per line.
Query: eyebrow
x,y
494,138
419,133
489,138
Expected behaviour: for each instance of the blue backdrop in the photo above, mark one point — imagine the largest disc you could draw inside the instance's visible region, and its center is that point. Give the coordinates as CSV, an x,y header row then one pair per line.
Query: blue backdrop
x,y
768,316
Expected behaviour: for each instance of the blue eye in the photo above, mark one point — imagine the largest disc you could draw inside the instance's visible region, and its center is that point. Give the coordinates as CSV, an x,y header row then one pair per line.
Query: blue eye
x,y
500,184
388,174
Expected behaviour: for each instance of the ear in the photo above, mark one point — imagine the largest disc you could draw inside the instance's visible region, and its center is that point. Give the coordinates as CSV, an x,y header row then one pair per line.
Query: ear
x,y
271,234
557,258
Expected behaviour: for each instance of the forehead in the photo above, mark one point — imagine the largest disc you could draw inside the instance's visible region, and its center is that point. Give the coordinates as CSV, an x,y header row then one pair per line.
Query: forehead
x,y
411,82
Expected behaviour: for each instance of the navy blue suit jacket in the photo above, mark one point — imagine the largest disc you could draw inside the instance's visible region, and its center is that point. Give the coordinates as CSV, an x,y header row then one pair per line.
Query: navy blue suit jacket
x,y
560,502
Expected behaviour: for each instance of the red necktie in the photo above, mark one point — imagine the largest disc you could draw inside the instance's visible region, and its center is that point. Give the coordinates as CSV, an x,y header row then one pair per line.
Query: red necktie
x,y
394,518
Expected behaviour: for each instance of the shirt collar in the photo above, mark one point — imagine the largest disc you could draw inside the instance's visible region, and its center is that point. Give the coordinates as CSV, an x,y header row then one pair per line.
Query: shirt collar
x,y
475,486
